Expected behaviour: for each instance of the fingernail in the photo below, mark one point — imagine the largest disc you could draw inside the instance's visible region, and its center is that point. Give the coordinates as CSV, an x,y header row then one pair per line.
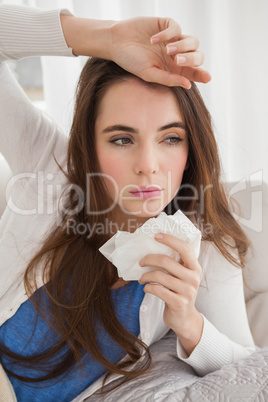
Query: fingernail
x,y
181,60
171,49
141,262
158,236
154,40
185,86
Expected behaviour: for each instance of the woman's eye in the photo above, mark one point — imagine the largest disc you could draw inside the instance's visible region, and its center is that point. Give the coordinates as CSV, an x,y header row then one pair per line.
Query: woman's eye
x,y
121,141
124,141
173,140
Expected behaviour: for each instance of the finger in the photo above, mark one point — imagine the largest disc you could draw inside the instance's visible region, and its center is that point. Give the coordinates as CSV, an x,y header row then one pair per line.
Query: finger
x,y
186,55
162,278
184,45
196,74
188,289
193,59
170,29
183,248
155,74
173,268
168,297
168,264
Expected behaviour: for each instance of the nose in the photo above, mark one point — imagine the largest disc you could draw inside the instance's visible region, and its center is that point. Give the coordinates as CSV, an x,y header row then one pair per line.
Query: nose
x,y
146,161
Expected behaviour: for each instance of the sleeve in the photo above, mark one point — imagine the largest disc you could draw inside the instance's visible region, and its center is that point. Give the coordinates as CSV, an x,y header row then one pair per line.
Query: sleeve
x,y
27,31
226,336
24,32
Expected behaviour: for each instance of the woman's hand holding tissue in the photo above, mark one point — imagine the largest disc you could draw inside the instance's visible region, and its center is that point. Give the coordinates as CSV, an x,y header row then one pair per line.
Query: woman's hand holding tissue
x,y
178,288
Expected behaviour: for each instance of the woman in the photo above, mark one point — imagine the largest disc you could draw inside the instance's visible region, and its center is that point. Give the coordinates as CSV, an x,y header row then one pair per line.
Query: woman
x,y
84,325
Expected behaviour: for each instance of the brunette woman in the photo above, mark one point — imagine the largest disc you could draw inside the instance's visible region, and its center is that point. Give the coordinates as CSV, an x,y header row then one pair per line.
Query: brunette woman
x,y
69,324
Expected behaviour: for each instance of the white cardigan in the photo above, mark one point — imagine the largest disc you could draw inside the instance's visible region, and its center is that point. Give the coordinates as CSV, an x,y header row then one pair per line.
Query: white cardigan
x,y
27,140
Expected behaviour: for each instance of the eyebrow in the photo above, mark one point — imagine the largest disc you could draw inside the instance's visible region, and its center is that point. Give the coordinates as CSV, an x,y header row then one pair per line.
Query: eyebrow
x,y
120,127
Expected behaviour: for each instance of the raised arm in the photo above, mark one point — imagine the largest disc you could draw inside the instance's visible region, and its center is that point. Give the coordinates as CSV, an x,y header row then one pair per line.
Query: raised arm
x,y
26,32
152,48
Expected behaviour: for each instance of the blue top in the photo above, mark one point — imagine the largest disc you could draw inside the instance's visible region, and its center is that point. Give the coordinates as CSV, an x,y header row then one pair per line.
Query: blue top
x,y
25,334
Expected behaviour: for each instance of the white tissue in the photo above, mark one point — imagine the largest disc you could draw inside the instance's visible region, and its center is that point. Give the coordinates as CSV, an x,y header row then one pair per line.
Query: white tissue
x,y
125,249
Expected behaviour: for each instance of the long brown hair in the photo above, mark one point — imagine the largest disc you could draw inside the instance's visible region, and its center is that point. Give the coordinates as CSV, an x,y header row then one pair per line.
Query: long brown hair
x,y
78,278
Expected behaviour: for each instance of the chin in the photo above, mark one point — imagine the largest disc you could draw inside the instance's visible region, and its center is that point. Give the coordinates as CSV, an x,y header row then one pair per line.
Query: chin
x,y
148,210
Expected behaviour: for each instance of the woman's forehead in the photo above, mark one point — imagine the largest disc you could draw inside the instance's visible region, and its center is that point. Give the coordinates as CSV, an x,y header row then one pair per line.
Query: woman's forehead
x,y
137,101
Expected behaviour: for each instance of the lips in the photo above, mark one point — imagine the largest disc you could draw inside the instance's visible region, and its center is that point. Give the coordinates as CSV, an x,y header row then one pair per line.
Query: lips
x,y
146,192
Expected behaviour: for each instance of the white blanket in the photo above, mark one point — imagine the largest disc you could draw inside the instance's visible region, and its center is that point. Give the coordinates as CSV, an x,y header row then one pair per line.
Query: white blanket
x,y
172,380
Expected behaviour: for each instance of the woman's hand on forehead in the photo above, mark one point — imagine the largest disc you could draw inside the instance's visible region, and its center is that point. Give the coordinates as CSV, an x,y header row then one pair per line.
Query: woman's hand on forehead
x,y
151,48
155,50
